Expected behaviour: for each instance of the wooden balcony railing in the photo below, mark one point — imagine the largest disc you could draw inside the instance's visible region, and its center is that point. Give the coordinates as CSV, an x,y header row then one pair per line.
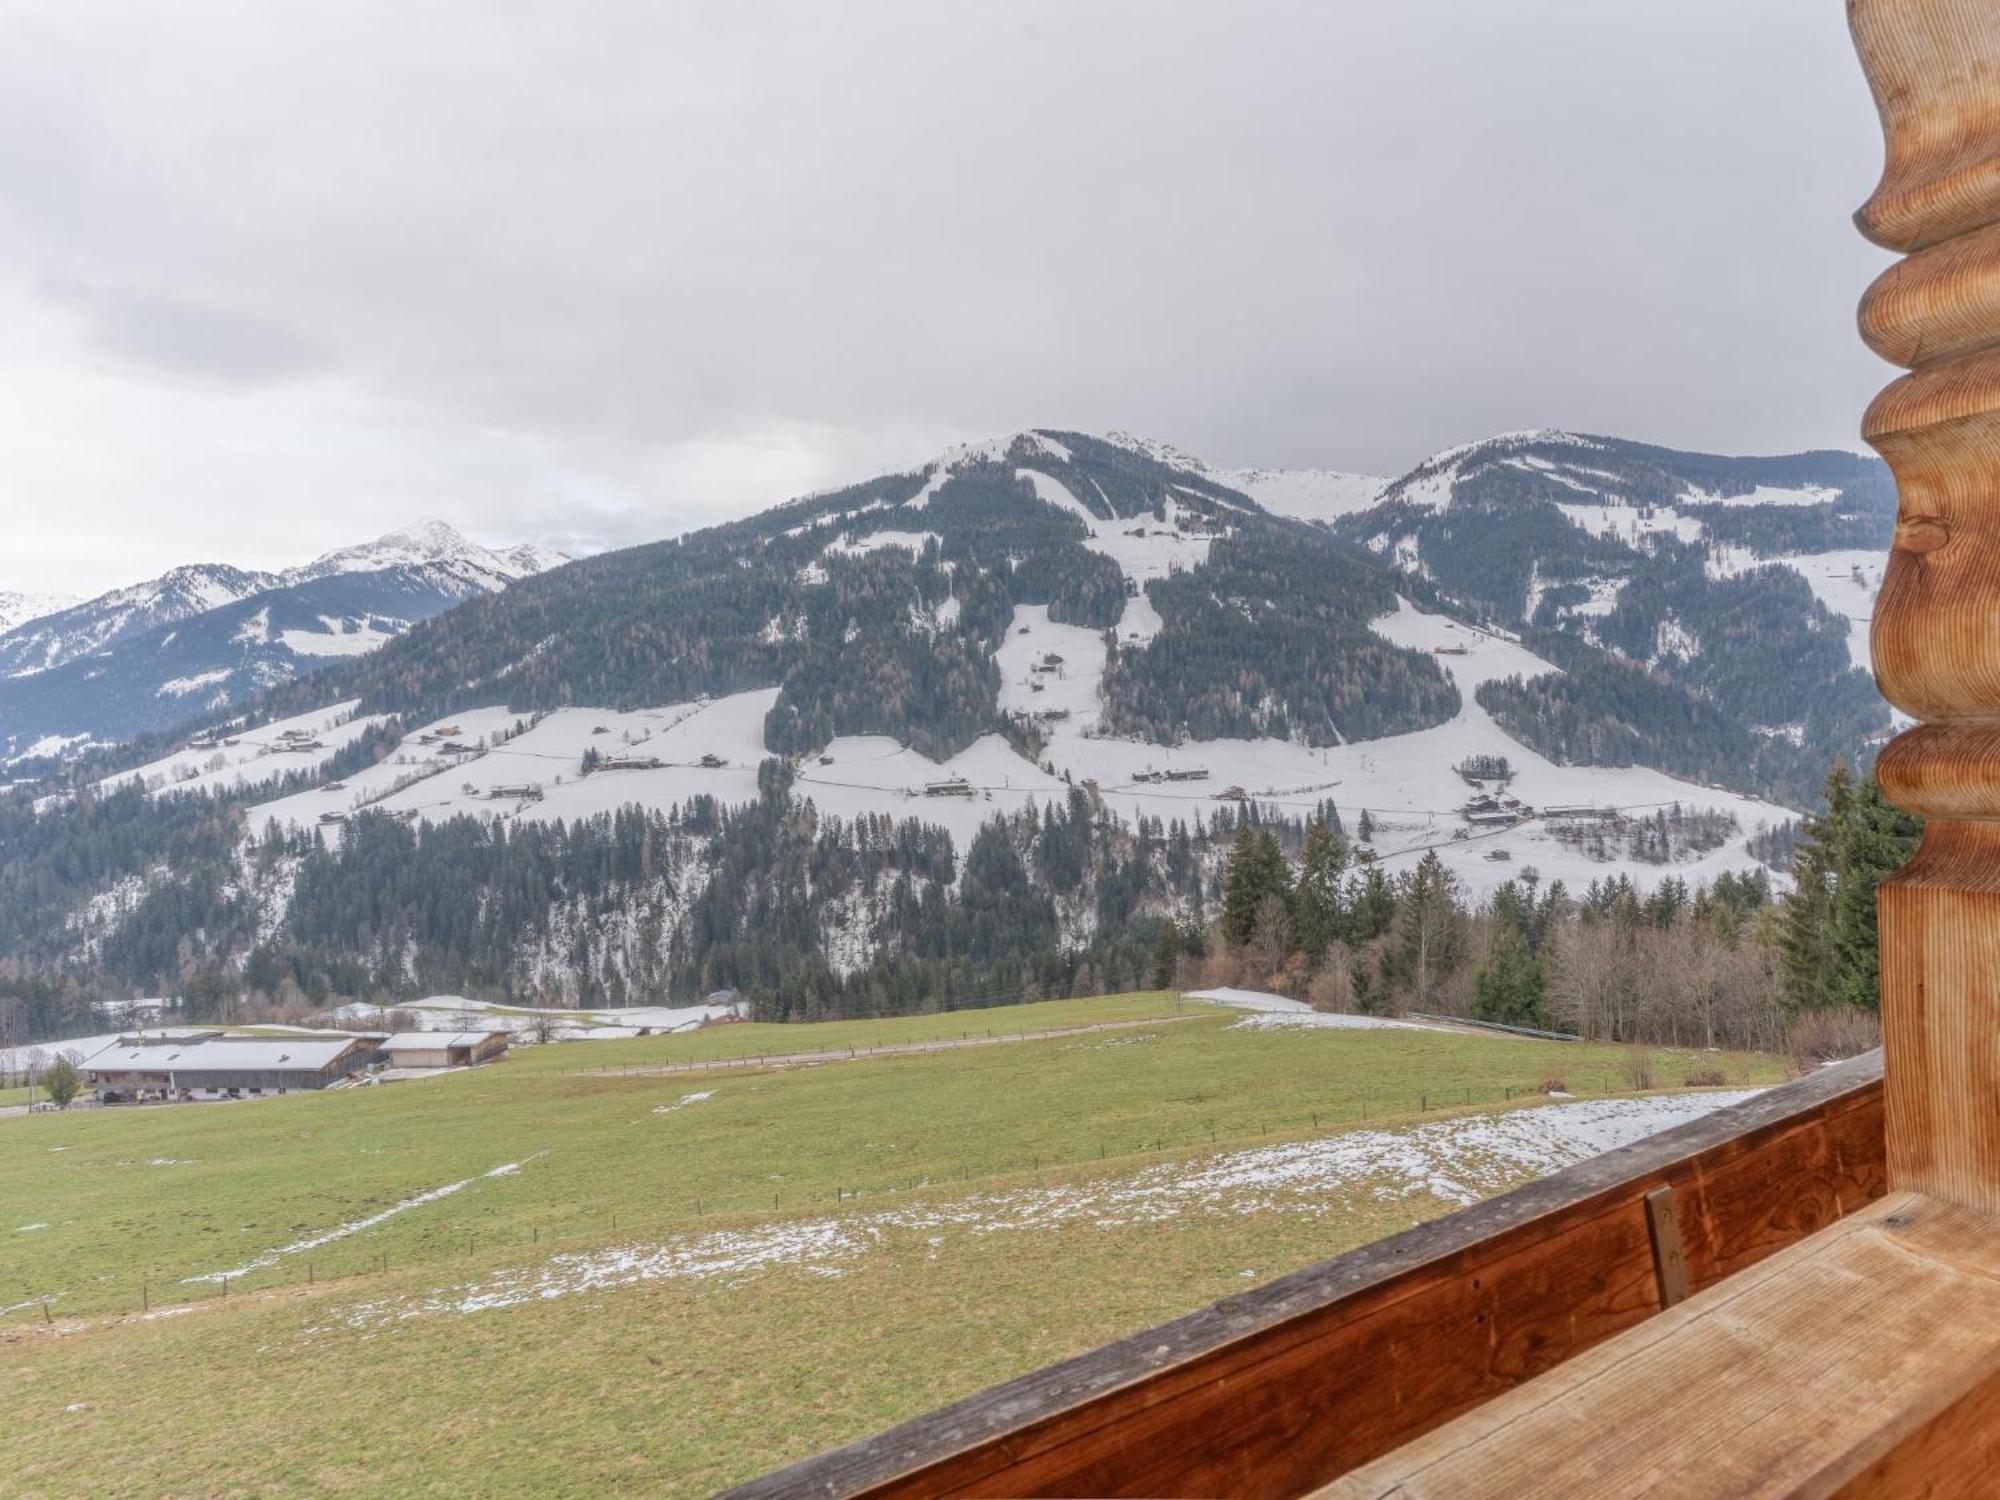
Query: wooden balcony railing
x,y
1279,1390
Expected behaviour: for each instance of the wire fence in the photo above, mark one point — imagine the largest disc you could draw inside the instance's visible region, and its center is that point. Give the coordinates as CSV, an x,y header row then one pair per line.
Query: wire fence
x,y
438,1246
764,1057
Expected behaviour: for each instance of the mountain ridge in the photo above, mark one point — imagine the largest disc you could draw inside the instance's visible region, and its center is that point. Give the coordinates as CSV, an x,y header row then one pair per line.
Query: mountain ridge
x,y
980,717
100,668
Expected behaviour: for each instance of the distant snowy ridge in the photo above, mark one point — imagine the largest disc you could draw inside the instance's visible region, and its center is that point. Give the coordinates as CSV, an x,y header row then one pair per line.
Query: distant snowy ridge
x,y
208,635
431,543
72,629
17,609
1301,494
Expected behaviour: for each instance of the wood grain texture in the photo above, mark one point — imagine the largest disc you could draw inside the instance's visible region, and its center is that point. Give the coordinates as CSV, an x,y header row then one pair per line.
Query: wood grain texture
x,y
1663,1224
1852,1363
1929,64
1934,68
1288,1385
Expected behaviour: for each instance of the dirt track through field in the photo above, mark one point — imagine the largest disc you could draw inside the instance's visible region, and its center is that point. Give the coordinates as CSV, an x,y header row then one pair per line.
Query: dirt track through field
x,y
889,1049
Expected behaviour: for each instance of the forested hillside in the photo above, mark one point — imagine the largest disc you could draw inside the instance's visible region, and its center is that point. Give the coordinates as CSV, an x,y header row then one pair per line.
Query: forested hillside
x,y
982,728
1686,594
877,609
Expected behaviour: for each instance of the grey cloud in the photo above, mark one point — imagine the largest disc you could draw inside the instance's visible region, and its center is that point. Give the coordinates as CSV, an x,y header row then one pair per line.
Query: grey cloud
x,y
178,337
678,256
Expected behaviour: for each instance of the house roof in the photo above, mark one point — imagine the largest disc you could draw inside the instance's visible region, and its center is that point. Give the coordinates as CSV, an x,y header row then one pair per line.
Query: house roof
x,y
306,1054
432,1041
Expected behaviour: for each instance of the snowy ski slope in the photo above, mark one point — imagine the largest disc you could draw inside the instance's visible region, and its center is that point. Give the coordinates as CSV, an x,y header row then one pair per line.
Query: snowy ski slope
x,y
1407,783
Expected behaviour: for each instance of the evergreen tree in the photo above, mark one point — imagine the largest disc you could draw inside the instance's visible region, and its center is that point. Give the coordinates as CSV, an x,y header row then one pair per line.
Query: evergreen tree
x,y
1371,907
1256,871
1318,914
1508,986
1828,936
1875,839
1166,957
1430,929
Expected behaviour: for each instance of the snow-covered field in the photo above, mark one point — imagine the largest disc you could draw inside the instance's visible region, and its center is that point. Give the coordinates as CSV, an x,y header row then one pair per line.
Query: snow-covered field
x,y
466,764
458,1013
435,781
476,762
1270,1012
249,756
1305,494
1630,523
1455,1162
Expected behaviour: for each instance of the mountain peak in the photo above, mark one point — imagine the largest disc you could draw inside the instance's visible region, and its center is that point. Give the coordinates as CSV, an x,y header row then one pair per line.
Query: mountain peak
x,y
1029,442
1157,451
19,607
428,542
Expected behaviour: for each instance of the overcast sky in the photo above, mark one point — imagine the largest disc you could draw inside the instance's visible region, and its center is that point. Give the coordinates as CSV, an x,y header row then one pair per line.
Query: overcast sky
x,y
278,277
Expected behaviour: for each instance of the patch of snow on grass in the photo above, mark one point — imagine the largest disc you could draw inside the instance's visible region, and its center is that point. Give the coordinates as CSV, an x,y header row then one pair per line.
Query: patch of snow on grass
x,y
1251,1000
336,638
683,1102
340,1232
1457,1161
1313,1020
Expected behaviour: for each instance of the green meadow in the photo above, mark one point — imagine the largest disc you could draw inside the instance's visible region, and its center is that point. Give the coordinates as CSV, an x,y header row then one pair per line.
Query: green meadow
x,y
351,1348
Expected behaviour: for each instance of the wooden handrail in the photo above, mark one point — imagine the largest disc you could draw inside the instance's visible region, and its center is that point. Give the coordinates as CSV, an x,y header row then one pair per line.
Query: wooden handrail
x,y
1278,1390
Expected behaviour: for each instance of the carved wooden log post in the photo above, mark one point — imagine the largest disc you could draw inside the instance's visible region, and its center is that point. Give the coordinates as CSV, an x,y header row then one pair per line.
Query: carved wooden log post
x,y
1934,66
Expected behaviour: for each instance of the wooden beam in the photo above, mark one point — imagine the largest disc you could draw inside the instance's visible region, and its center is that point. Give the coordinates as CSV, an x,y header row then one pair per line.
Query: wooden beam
x,y
1663,1226
1934,66
1280,1389
1862,1361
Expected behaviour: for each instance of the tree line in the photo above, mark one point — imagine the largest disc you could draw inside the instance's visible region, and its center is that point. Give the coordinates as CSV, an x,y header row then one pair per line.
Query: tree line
x,y
1724,964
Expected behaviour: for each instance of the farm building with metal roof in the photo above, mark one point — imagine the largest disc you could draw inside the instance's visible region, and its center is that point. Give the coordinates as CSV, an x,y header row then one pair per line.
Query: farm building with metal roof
x,y
221,1066
443,1049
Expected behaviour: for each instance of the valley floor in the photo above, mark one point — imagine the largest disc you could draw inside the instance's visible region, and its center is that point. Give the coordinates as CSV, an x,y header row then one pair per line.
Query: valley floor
x,y
539,1280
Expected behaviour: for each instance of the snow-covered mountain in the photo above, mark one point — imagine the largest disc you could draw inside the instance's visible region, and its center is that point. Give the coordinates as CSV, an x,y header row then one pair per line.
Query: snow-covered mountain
x,y
1745,583
161,651
437,548
1321,495
16,609
989,710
